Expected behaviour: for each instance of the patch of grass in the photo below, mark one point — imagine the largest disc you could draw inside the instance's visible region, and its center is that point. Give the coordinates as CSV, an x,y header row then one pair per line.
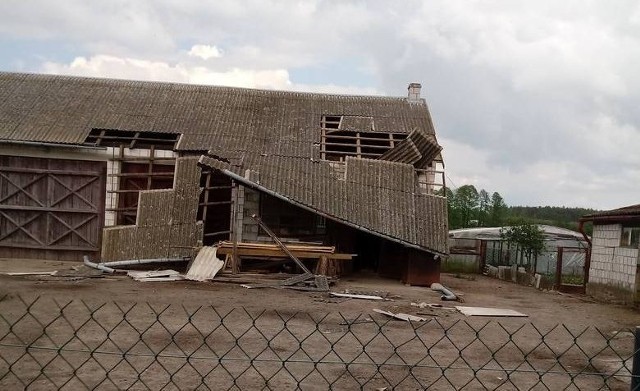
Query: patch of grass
x,y
458,266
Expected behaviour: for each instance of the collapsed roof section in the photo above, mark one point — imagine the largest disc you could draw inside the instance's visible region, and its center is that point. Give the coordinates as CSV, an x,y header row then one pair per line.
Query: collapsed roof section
x,y
376,196
419,149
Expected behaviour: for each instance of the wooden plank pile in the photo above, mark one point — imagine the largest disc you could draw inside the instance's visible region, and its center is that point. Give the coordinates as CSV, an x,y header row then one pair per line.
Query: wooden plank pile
x,y
329,262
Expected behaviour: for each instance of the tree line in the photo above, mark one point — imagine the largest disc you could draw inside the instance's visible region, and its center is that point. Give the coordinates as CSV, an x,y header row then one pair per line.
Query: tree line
x,y
469,207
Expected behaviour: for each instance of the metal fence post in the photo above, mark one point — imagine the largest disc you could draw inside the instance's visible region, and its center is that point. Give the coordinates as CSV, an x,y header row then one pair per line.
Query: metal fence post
x,y
635,366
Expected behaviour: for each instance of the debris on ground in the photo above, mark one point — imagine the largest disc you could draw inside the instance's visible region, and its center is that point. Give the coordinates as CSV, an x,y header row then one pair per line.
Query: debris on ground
x,y
355,296
155,276
400,316
432,305
49,273
205,266
447,294
73,274
485,311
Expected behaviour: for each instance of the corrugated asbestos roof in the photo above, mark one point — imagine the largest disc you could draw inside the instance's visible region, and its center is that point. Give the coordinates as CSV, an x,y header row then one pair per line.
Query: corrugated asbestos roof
x,y
632,210
274,134
379,195
63,109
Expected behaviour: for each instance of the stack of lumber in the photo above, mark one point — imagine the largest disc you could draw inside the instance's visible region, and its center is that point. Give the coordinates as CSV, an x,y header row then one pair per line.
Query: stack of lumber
x,y
273,250
330,263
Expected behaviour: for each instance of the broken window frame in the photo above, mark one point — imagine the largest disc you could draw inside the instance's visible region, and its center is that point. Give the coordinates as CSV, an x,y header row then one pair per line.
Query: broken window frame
x,y
337,144
216,194
127,215
131,139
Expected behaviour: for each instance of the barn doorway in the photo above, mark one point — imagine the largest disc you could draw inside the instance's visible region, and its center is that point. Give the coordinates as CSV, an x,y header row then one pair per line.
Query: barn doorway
x,y
51,208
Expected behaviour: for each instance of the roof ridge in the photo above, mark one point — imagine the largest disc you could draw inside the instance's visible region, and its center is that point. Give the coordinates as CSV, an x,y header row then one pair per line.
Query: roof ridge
x,y
192,86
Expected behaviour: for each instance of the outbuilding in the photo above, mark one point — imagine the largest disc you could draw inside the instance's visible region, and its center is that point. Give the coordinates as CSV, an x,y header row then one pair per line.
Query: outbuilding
x,y
614,272
120,169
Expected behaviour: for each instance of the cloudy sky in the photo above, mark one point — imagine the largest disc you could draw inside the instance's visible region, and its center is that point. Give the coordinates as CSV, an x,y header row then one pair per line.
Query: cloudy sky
x,y
538,100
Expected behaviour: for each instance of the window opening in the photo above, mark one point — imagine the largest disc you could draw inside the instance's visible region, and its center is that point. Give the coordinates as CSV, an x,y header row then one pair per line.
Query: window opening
x,y
338,144
630,237
215,206
130,139
290,221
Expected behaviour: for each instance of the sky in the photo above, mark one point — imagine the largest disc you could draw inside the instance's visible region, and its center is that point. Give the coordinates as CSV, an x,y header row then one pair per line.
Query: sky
x,y
537,100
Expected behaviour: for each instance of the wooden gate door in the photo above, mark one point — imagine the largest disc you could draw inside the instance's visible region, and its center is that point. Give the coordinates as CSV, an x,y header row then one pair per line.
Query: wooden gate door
x,y
572,278
51,208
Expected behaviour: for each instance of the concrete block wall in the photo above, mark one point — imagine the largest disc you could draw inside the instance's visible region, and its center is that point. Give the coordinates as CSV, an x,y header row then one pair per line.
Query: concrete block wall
x,y
237,217
250,227
611,265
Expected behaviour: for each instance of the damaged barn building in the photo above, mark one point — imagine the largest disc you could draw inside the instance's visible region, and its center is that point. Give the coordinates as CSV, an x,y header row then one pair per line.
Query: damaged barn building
x,y
120,169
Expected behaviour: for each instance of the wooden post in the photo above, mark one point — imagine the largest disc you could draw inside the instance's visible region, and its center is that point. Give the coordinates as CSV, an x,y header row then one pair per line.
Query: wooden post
x,y
559,268
235,267
635,366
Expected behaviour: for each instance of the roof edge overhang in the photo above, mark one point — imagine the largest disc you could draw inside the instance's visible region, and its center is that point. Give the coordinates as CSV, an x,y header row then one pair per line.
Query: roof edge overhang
x,y
255,186
613,219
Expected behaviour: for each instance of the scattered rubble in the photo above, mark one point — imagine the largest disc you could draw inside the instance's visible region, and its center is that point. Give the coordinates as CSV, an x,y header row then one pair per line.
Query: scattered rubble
x,y
353,296
400,316
485,311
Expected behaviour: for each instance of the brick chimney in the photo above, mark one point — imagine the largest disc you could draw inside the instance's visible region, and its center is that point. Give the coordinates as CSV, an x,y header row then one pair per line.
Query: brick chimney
x,y
414,92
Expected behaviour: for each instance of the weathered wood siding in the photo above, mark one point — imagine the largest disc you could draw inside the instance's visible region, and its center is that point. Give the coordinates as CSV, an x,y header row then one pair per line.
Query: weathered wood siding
x,y
51,208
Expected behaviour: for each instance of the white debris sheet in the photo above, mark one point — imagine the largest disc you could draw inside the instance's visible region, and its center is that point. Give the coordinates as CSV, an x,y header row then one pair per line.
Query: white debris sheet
x,y
155,275
205,266
353,296
485,311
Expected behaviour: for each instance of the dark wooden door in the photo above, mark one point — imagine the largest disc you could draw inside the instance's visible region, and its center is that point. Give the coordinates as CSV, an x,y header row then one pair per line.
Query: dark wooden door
x,y
51,208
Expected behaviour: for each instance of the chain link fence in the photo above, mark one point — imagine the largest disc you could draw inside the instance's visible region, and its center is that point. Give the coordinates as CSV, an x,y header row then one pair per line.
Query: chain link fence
x,y
48,344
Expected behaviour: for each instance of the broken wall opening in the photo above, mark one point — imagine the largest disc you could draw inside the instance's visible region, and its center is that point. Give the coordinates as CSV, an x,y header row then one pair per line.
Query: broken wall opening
x,y
166,225
289,221
215,206
130,171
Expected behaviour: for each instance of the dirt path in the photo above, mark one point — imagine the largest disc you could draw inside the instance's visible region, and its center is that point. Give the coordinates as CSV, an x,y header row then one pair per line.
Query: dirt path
x,y
543,308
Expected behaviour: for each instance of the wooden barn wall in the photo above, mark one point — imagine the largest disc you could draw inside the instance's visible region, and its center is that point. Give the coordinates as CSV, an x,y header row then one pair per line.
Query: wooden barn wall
x,y
51,208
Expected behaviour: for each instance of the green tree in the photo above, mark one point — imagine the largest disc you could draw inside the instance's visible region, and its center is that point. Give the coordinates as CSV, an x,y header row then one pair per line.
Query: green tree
x,y
466,204
484,208
529,238
498,210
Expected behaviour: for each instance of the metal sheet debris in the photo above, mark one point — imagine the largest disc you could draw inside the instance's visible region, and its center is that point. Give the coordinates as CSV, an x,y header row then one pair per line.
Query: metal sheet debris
x,y
205,266
176,277
401,316
352,296
484,311
51,273
155,275
135,274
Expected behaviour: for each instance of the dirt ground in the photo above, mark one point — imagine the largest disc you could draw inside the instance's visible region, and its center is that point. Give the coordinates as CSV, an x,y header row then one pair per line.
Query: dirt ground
x,y
543,308
293,325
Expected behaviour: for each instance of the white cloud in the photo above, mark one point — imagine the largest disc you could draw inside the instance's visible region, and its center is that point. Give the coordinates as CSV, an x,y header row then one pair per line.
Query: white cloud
x,y
137,69
540,92
205,52
130,68
559,182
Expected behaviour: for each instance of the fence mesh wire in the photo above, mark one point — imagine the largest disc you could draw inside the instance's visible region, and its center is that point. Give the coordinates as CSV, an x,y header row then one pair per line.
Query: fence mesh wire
x,y
49,344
